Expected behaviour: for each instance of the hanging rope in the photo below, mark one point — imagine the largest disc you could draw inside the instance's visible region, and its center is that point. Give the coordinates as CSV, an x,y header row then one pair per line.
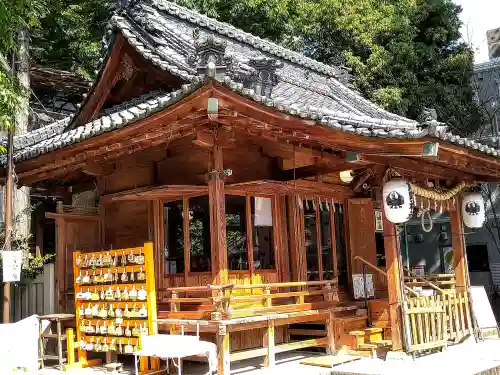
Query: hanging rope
x,y
438,195
422,214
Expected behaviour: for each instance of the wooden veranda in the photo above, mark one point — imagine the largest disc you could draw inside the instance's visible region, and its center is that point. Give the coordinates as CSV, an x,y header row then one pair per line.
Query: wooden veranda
x,y
237,183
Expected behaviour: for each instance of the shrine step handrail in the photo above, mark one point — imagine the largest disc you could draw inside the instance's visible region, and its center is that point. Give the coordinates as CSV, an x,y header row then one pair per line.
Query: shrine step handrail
x,y
428,283
382,272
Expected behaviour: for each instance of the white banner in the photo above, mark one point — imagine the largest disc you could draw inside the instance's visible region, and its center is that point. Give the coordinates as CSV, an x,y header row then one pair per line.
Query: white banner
x,y
263,212
11,265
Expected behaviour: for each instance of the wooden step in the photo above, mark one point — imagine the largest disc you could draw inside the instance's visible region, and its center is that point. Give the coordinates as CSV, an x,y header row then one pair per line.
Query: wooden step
x,y
360,353
366,331
376,344
53,336
52,357
350,318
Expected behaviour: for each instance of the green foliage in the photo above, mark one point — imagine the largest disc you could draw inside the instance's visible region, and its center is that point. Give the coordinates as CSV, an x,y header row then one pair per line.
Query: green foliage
x,y
10,98
14,15
271,19
69,35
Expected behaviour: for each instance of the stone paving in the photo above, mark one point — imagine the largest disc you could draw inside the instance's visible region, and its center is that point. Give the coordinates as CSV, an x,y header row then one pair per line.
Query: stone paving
x,y
469,358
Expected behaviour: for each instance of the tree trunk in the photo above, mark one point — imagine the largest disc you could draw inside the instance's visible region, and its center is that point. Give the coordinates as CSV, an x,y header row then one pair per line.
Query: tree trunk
x,y
22,194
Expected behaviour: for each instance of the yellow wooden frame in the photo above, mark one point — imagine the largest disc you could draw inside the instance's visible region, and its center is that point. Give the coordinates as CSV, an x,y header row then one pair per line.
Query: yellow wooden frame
x,y
147,251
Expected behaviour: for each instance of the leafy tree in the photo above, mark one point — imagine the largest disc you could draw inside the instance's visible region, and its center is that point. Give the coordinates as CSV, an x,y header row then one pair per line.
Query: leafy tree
x,y
15,15
70,33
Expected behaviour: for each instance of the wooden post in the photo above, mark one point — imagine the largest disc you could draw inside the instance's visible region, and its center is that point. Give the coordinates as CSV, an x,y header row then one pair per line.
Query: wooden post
x,y
393,265
223,359
70,346
174,307
458,243
297,246
267,293
217,217
269,343
330,332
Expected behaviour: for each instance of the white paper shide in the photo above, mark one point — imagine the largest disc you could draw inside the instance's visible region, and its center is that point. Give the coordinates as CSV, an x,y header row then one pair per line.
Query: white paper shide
x,y
11,265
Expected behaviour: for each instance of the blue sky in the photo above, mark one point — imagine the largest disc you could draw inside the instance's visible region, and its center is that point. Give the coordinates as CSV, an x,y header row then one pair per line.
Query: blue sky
x,y
478,16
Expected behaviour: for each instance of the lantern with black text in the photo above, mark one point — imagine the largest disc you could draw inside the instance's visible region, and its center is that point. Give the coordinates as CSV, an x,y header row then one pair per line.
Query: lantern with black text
x,y
398,201
473,212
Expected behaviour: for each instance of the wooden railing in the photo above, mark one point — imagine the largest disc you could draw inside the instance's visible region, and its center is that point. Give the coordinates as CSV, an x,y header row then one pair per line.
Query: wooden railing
x,y
432,321
441,283
410,281
217,302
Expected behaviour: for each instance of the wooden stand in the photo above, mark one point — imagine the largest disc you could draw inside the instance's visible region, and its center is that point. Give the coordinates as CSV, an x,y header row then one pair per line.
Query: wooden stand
x,y
54,318
82,287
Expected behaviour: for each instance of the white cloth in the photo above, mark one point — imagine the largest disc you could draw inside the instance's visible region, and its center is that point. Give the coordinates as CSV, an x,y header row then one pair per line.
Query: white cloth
x,y
19,346
178,346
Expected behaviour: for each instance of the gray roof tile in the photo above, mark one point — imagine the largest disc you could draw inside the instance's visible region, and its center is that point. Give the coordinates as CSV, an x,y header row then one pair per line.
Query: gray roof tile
x,y
163,32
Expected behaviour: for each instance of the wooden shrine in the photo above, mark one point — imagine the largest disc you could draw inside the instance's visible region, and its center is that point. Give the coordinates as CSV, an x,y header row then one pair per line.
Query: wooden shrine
x,y
256,173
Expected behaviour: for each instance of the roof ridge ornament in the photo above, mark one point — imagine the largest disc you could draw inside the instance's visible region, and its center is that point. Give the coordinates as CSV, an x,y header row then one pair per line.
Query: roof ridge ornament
x,y
209,56
428,116
263,78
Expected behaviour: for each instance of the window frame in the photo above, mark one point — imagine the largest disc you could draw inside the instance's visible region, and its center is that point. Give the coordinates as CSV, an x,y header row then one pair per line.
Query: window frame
x,y
249,234
319,245
249,231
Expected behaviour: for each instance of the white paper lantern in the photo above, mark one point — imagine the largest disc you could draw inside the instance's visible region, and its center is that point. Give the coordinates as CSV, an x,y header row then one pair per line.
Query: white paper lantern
x,y
473,212
398,201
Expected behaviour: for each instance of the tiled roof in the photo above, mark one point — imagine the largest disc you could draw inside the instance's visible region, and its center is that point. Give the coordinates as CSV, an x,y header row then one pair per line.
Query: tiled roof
x,y
163,33
487,65
53,136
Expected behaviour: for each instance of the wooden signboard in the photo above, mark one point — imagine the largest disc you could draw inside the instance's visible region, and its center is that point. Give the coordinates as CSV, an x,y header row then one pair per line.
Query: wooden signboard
x,y
115,300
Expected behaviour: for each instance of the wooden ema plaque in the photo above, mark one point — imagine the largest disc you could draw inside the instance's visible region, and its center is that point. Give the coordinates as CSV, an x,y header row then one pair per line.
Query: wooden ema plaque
x,y
115,301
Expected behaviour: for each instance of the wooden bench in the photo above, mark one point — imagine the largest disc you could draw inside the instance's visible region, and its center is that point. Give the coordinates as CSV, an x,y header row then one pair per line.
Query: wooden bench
x,y
226,309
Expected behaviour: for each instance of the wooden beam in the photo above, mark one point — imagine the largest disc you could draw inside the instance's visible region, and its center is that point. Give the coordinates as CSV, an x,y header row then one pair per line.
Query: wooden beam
x,y
458,244
108,152
155,192
217,217
420,166
393,267
142,130
207,139
321,169
95,169
106,82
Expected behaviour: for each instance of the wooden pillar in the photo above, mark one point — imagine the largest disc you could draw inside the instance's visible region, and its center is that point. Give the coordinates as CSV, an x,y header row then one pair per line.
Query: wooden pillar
x,y
393,267
297,246
269,344
217,217
223,350
458,243
330,332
